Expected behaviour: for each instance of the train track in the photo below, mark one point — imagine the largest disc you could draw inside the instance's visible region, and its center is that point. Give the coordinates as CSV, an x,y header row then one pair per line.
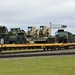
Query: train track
x,y
37,53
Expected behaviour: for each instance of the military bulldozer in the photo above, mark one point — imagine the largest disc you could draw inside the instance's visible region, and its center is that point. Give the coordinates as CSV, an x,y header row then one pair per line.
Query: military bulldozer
x,y
4,36
39,36
31,31
17,36
44,31
31,34
44,36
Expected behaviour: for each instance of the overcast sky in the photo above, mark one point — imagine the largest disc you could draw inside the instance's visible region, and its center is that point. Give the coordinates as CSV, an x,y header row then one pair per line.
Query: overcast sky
x,y
24,13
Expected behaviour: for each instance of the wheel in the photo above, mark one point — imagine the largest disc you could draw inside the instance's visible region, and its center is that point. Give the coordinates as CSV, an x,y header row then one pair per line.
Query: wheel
x,y
23,39
66,47
44,49
6,39
47,49
18,39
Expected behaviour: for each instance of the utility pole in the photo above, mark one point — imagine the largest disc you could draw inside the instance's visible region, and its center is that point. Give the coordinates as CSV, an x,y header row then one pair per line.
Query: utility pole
x,y
50,27
56,26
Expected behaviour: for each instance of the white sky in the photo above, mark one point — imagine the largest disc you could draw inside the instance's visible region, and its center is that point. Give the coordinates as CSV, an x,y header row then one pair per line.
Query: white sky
x,y
24,13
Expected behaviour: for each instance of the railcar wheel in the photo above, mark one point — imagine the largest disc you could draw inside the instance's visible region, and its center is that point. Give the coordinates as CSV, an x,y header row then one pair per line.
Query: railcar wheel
x,y
44,49
66,47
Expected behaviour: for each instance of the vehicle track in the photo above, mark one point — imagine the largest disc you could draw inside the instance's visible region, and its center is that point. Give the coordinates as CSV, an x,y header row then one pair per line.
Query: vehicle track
x,y
37,53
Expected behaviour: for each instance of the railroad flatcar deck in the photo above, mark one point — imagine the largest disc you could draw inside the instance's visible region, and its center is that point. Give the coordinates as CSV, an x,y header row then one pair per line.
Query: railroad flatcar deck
x,y
33,45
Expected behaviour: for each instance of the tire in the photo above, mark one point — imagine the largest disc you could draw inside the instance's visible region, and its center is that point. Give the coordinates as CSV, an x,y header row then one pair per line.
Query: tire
x,y
23,40
6,39
17,41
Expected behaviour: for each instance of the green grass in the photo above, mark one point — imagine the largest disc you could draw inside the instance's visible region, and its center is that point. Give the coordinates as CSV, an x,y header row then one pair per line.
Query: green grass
x,y
59,65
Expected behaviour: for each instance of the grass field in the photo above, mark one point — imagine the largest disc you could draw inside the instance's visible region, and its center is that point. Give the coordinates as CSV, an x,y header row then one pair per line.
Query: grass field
x,y
59,65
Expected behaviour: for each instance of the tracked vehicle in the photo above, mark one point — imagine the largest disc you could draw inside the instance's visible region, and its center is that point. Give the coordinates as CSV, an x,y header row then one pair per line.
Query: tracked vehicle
x,y
44,36
31,34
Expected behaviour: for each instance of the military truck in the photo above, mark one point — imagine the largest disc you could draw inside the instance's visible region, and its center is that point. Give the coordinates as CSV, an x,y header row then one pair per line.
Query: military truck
x,y
17,36
62,36
4,36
